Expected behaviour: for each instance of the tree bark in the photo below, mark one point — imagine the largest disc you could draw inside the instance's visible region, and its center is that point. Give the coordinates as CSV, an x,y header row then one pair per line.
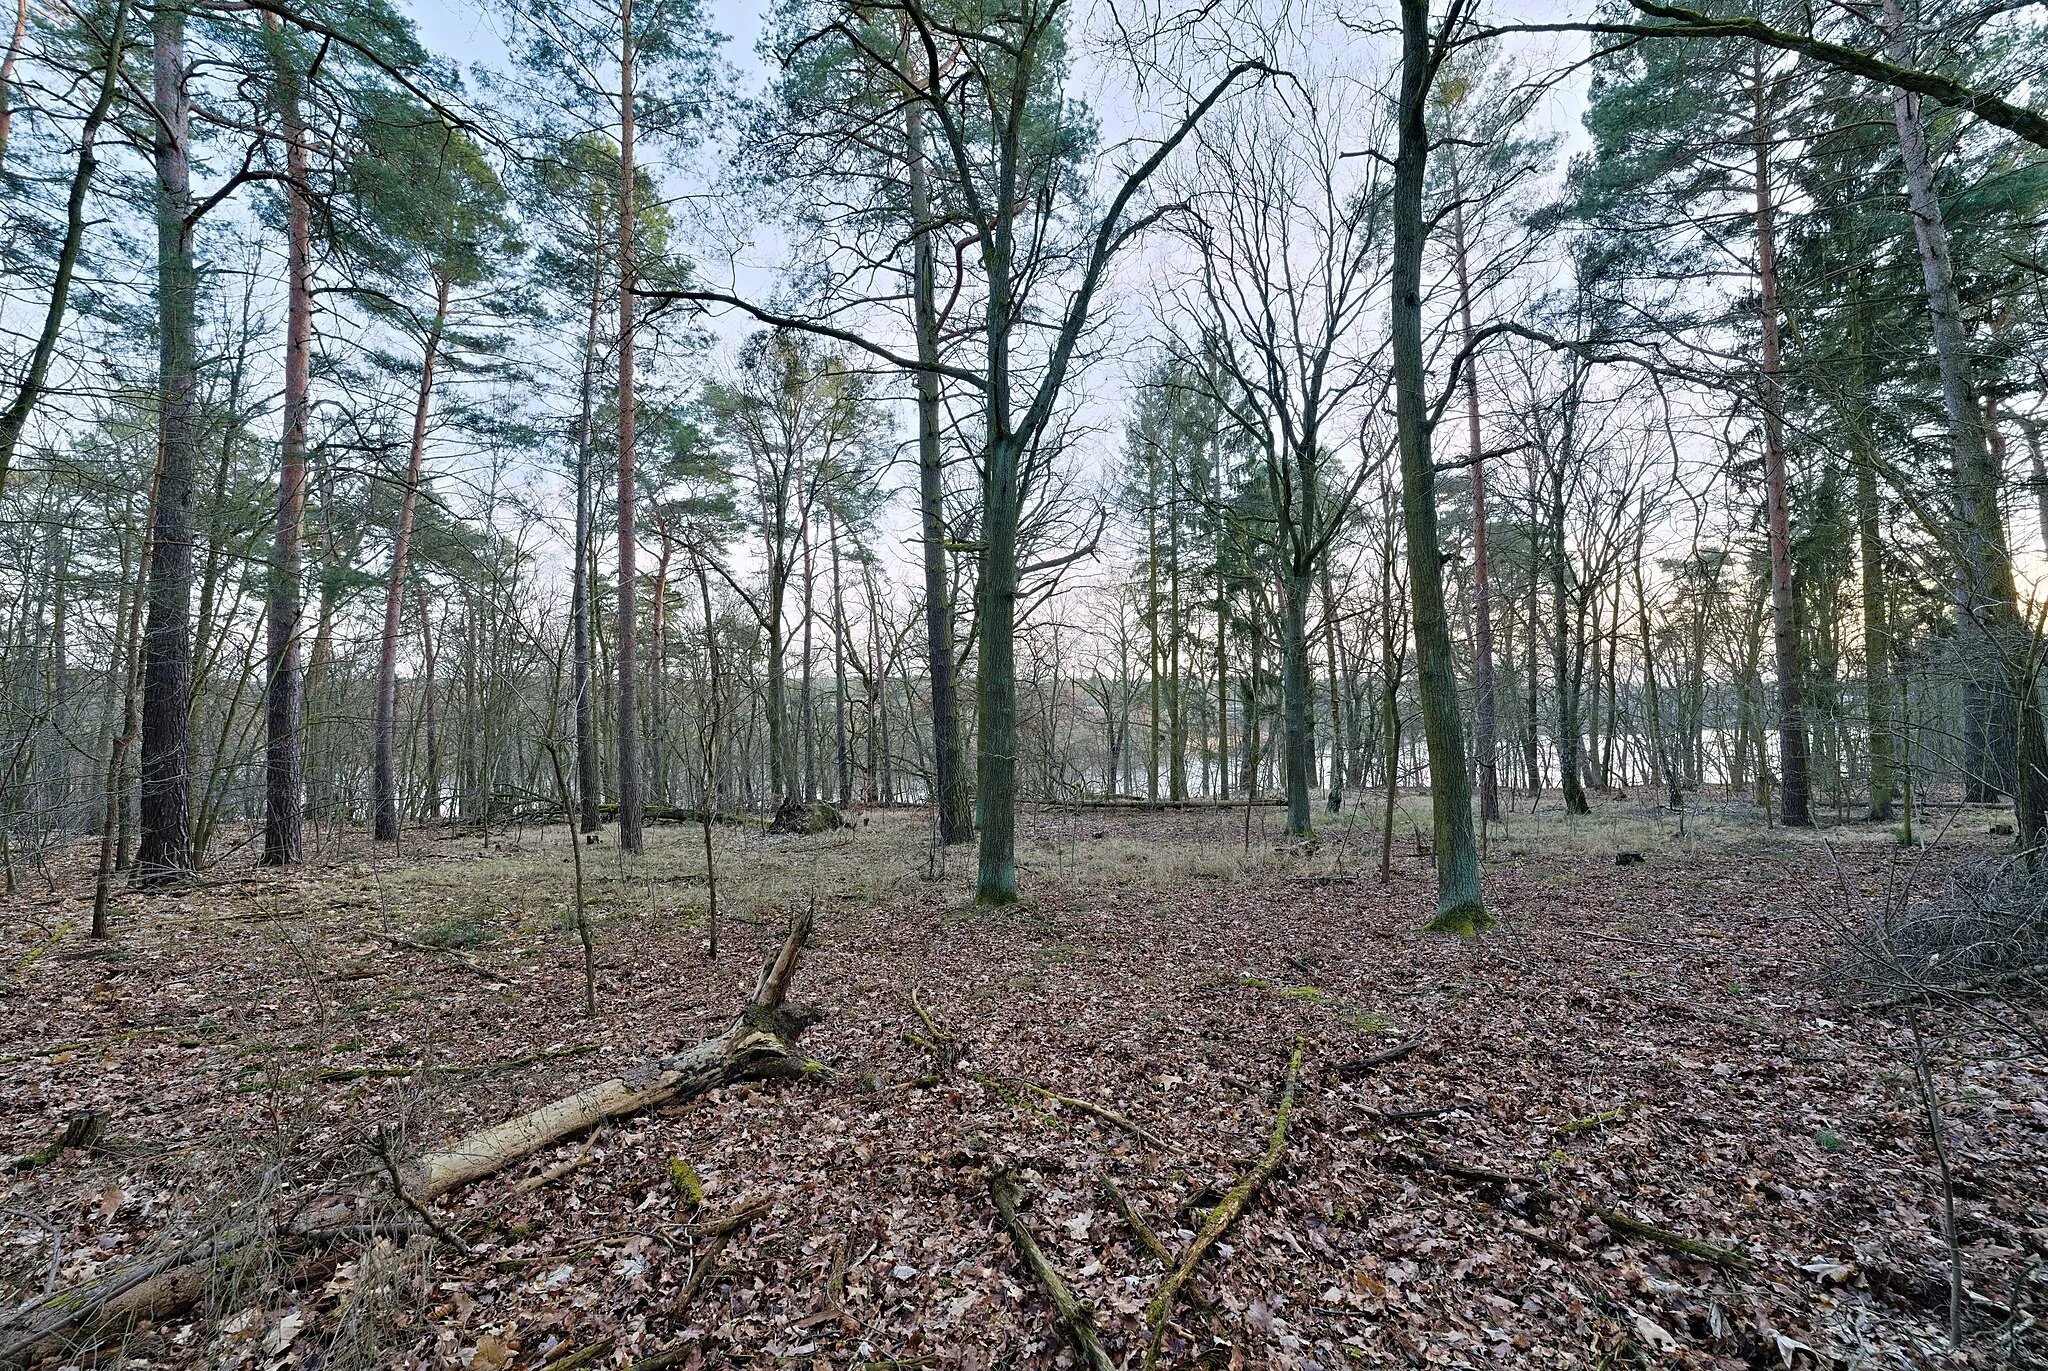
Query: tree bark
x,y
629,643
1460,907
165,855
284,763
580,607
1484,723
1793,772
951,796
1998,654
384,760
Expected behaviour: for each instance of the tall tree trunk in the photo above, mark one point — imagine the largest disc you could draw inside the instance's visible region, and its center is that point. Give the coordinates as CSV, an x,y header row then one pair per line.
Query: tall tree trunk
x,y
284,762
657,668
580,606
166,849
384,761
951,787
1997,650
996,741
1222,677
1484,723
431,809
845,755
1295,705
1877,645
1153,733
807,714
1333,645
1565,642
1793,772
7,85
1176,718
1460,907
2038,471
629,639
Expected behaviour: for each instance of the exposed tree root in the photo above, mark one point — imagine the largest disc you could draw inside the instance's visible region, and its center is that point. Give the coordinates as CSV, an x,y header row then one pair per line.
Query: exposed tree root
x,y
1074,1317
1160,1311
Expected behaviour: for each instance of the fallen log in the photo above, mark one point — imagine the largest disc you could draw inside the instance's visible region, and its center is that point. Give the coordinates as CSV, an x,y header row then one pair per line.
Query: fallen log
x,y
759,1045
1160,1311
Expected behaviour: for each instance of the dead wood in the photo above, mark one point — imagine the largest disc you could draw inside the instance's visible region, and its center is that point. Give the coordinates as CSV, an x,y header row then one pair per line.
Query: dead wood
x,y
1727,1257
1141,1230
1593,1121
426,1216
714,1234
760,1044
1379,1059
1074,1317
1160,1311
152,1289
581,1357
1096,1111
944,1048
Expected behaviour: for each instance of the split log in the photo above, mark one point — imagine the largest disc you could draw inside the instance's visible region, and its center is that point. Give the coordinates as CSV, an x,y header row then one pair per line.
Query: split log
x,y
1073,1315
759,1045
1160,1311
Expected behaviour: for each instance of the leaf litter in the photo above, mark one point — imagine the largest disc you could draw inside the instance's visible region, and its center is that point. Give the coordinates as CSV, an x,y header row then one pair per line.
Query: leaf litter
x,y
1642,1048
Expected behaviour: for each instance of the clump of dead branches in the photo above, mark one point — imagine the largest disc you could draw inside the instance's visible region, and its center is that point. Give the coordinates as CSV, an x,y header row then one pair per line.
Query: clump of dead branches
x,y
1984,927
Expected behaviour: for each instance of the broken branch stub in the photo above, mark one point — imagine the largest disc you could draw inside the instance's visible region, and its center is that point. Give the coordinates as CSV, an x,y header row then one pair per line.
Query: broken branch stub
x,y
759,1044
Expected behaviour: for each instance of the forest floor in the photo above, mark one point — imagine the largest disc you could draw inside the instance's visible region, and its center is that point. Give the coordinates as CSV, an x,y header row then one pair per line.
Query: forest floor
x,y
1660,1041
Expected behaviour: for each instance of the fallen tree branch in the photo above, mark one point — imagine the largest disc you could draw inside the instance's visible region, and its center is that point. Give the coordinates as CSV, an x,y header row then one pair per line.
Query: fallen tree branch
x,y
1593,1121
1141,1230
1096,1111
759,1045
944,1048
426,1216
1074,1317
1378,1059
1727,1257
716,1234
1160,1311
152,1289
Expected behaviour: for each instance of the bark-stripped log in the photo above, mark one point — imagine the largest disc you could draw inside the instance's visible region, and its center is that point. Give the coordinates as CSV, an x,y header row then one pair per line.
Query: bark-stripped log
x,y
758,1045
